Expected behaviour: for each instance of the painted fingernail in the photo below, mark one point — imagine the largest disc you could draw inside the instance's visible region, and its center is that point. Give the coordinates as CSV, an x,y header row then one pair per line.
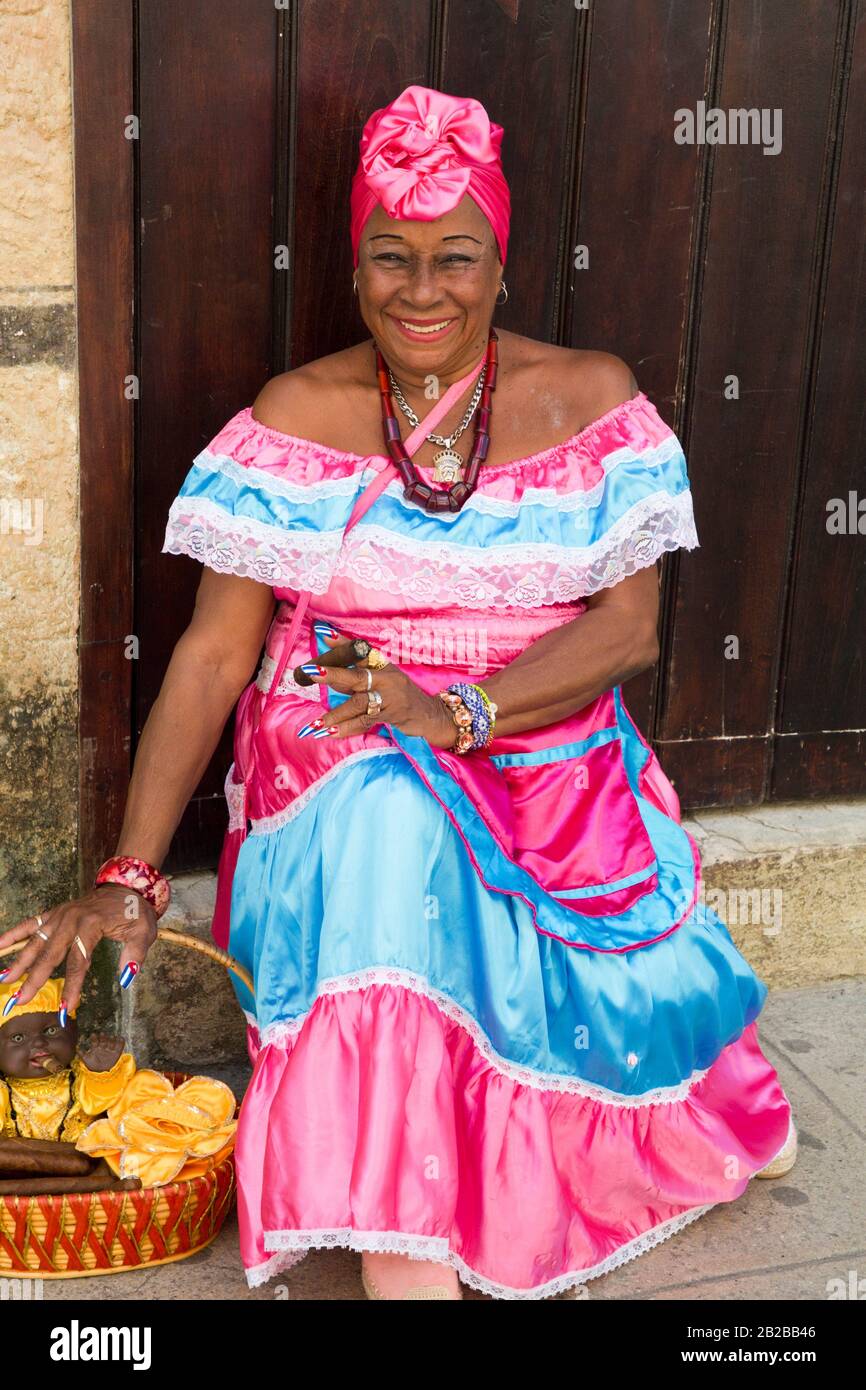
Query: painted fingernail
x,y
311,668
128,974
63,1013
324,629
4,973
308,728
11,1002
324,733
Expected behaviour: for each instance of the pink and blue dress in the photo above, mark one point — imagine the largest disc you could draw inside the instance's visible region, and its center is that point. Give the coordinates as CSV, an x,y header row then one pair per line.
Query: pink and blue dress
x,y
495,1023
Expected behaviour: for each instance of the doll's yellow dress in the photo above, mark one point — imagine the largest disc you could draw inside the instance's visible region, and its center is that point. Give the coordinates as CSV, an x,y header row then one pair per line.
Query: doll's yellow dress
x,y
63,1105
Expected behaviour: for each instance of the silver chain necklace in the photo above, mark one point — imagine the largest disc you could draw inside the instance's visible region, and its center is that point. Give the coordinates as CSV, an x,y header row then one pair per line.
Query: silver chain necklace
x,y
447,463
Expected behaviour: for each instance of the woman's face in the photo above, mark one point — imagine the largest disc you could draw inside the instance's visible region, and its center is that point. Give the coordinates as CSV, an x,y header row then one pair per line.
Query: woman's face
x,y
427,289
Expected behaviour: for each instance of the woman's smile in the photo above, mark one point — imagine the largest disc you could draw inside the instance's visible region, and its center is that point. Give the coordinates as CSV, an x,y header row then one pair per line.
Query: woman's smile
x,y
424,330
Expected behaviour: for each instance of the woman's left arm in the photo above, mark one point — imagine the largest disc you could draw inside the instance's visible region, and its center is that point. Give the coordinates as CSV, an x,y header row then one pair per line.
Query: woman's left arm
x,y
563,671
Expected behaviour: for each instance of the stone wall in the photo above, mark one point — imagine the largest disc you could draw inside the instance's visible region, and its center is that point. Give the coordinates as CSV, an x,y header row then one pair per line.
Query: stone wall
x,y
39,533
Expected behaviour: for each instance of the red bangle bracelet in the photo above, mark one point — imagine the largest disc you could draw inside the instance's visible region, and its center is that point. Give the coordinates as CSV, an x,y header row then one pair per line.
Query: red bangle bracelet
x,y
141,877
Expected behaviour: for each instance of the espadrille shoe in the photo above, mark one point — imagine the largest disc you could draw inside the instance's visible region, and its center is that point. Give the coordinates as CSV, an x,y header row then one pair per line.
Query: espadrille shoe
x,y
423,1291
784,1161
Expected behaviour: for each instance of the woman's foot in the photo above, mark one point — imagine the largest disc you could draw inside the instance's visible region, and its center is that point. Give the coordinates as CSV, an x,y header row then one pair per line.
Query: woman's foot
x,y
398,1277
784,1161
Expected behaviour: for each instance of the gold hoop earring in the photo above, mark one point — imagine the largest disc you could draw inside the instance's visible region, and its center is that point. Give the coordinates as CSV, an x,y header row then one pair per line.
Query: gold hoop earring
x,y
354,284
502,287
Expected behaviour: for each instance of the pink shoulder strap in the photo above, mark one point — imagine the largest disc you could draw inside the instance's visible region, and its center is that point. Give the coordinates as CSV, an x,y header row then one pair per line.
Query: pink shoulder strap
x,y
364,500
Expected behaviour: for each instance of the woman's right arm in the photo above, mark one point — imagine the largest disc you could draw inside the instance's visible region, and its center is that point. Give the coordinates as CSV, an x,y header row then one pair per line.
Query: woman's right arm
x,y
211,664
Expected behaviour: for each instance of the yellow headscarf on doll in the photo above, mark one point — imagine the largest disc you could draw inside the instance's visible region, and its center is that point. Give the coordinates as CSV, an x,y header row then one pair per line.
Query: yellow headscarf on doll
x,y
46,1000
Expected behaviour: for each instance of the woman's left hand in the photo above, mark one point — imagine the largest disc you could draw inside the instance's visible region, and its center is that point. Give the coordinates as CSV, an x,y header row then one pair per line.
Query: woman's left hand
x,y
404,704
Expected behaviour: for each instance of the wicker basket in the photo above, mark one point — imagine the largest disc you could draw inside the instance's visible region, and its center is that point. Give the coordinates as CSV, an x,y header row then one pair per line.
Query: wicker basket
x,y
86,1233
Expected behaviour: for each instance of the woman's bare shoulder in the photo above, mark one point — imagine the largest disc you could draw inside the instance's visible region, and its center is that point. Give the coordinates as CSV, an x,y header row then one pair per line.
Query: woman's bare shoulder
x,y
585,382
313,398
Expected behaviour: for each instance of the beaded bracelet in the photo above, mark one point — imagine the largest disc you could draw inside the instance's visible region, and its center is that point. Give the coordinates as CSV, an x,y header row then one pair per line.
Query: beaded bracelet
x,y
473,712
141,877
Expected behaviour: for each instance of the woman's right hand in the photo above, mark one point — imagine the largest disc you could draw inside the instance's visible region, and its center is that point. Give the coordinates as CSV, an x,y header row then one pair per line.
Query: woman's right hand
x,y
111,910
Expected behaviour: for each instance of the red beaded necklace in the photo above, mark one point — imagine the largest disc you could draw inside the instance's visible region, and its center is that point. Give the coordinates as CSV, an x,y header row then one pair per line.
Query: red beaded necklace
x,y
449,499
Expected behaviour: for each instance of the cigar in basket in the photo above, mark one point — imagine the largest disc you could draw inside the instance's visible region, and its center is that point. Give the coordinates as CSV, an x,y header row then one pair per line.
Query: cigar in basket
x,y
55,1187
43,1158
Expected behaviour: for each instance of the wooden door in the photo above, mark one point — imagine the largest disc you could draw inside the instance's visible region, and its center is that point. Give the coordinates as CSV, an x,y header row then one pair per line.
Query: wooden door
x,y
701,262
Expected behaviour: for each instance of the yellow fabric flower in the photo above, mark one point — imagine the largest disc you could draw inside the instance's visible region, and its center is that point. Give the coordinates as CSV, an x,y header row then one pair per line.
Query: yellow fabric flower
x,y
159,1134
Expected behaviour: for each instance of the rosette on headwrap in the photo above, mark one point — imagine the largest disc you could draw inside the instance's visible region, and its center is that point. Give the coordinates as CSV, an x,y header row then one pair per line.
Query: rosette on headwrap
x,y
421,154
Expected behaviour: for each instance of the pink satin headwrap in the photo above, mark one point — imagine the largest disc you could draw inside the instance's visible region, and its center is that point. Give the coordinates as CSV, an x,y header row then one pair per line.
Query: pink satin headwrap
x,y
421,154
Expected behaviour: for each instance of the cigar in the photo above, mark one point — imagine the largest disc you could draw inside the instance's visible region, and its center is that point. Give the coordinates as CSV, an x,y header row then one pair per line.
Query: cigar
x,y
43,1157
55,1187
51,1065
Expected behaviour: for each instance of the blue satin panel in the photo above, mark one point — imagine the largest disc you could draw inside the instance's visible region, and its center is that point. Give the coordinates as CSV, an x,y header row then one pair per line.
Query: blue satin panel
x,y
553,522
291,509
649,917
323,896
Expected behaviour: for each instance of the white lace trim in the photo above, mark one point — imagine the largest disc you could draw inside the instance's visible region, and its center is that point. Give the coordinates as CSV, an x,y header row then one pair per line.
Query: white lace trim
x,y
524,575
233,544
655,507
280,1033
248,475
234,794
288,685
324,489
266,825
291,1246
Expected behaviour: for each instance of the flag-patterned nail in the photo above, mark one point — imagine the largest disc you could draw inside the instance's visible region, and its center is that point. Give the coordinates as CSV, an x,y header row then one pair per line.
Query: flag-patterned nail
x,y
324,630
308,728
312,668
324,733
11,1002
63,1013
128,974
4,973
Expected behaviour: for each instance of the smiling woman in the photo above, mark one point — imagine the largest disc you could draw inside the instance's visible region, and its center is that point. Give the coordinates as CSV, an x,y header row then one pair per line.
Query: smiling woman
x,y
496,961
497,1035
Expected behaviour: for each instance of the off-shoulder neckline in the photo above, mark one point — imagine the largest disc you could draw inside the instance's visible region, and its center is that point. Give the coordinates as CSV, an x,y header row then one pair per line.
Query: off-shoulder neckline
x,y
513,465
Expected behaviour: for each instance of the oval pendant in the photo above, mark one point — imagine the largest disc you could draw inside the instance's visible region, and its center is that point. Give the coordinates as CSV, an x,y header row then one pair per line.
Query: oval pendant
x,y
447,466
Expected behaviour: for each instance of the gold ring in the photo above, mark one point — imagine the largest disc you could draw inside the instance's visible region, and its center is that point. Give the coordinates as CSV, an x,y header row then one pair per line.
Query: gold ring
x,y
375,660
43,934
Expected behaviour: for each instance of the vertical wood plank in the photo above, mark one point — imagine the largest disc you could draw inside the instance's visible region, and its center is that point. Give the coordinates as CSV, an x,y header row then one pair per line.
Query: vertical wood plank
x,y
522,62
820,743
102,95
354,56
207,96
757,305
637,218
